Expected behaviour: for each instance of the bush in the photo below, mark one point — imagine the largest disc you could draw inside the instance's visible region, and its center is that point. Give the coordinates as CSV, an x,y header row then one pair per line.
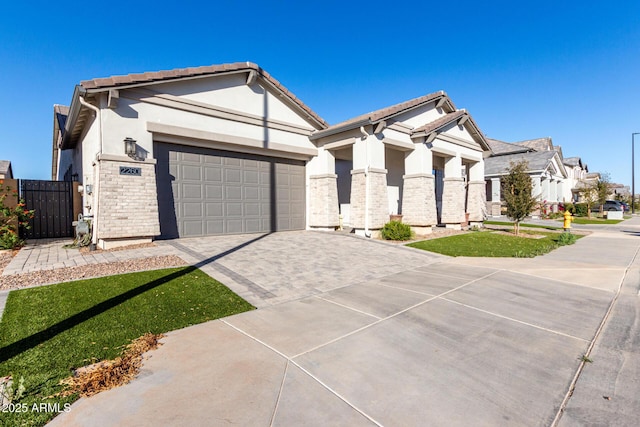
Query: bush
x,y
395,230
580,209
570,207
566,239
11,218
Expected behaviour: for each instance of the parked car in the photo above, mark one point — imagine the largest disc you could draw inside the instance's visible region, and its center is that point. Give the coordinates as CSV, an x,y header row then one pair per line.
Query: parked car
x,y
612,205
625,206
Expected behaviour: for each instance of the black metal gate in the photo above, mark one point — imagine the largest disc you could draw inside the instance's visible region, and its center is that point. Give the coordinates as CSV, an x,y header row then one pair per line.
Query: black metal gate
x,y
53,205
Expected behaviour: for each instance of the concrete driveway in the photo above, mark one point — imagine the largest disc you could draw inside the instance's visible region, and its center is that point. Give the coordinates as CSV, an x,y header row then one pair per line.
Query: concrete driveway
x,y
354,332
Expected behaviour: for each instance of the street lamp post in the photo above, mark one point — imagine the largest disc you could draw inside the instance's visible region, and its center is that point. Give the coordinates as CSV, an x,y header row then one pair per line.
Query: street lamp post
x,y
633,169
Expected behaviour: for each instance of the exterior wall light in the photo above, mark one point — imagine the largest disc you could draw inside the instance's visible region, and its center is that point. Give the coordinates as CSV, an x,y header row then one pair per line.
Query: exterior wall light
x,y
130,147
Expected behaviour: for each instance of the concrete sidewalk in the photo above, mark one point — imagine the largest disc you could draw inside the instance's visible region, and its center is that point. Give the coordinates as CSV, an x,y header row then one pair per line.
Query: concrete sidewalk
x,y
451,342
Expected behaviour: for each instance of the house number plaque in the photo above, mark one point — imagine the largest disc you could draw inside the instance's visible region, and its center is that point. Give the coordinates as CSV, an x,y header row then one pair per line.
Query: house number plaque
x,y
126,170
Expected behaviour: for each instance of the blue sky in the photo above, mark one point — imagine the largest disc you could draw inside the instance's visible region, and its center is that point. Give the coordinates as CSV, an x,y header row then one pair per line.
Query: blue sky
x,y
565,69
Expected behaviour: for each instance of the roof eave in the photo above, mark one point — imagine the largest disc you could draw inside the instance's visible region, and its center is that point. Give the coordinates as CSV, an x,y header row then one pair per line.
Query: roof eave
x,y
72,118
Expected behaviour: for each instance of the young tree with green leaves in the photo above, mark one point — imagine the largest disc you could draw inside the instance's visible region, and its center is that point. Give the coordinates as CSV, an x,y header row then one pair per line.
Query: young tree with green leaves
x,y
517,191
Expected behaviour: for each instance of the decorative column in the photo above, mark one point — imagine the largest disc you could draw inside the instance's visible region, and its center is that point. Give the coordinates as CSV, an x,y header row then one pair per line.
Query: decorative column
x,y
323,192
453,193
536,191
476,194
419,194
553,195
544,197
496,203
127,201
369,185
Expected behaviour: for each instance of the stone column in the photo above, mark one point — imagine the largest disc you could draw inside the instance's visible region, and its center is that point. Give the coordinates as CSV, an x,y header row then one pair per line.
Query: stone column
x,y
323,192
453,195
323,201
495,197
476,194
553,195
536,191
127,203
369,181
419,196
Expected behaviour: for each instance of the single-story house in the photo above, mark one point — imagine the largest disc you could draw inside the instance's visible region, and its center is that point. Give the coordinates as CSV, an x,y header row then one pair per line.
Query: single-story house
x,y
228,149
545,166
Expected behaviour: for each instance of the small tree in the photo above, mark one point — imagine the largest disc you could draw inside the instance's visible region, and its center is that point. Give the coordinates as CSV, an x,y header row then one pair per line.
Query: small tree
x,y
602,189
517,190
590,196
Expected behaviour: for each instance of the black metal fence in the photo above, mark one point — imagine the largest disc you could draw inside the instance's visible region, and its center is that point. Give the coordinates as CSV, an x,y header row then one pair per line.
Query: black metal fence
x,y
53,205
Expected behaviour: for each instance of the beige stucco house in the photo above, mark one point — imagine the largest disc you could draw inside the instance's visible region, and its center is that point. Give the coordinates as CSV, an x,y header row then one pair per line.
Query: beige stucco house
x,y
228,149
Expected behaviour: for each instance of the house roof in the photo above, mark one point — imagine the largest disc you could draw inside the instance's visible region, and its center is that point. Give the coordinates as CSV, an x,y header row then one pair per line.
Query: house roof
x,y
500,147
60,115
572,161
77,113
5,168
538,144
499,165
385,114
449,118
182,73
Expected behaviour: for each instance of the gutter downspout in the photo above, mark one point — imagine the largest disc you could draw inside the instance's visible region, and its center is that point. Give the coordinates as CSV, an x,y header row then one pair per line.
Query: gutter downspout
x,y
365,136
96,189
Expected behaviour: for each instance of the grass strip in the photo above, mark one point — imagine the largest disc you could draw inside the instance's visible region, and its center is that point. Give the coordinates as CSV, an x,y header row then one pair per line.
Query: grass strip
x,y
491,244
47,332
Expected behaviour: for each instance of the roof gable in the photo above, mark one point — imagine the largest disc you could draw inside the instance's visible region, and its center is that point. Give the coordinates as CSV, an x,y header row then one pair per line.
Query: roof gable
x,y
441,100
462,117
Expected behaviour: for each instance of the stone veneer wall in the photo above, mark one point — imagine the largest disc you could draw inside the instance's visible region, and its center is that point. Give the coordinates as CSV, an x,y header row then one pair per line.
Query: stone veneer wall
x,y
323,201
378,198
476,201
127,205
419,200
453,198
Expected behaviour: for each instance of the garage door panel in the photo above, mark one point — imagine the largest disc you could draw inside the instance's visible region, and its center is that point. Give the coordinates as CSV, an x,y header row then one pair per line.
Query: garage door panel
x,y
234,226
230,161
212,174
218,192
233,192
189,157
213,192
251,193
215,210
232,176
215,226
192,210
191,191
252,210
191,229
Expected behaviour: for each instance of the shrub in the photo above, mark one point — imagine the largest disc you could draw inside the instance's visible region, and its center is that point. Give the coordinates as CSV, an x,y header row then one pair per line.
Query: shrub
x,y
570,207
566,239
395,230
11,219
580,209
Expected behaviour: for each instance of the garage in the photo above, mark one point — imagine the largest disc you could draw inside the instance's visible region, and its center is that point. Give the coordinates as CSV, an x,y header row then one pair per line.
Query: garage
x,y
205,192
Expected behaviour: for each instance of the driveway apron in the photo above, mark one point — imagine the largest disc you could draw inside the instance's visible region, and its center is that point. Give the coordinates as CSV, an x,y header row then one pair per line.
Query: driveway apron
x,y
355,332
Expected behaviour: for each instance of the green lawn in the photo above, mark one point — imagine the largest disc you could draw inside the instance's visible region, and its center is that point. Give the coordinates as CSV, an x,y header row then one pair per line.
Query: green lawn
x,y
510,224
490,244
584,220
48,331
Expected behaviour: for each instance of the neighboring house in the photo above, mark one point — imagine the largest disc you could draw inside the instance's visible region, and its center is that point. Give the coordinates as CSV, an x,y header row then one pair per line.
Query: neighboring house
x,y
576,178
5,170
228,149
545,166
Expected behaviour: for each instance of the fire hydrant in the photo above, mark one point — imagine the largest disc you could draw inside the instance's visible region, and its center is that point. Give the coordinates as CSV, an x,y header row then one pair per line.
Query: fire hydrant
x,y
567,221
